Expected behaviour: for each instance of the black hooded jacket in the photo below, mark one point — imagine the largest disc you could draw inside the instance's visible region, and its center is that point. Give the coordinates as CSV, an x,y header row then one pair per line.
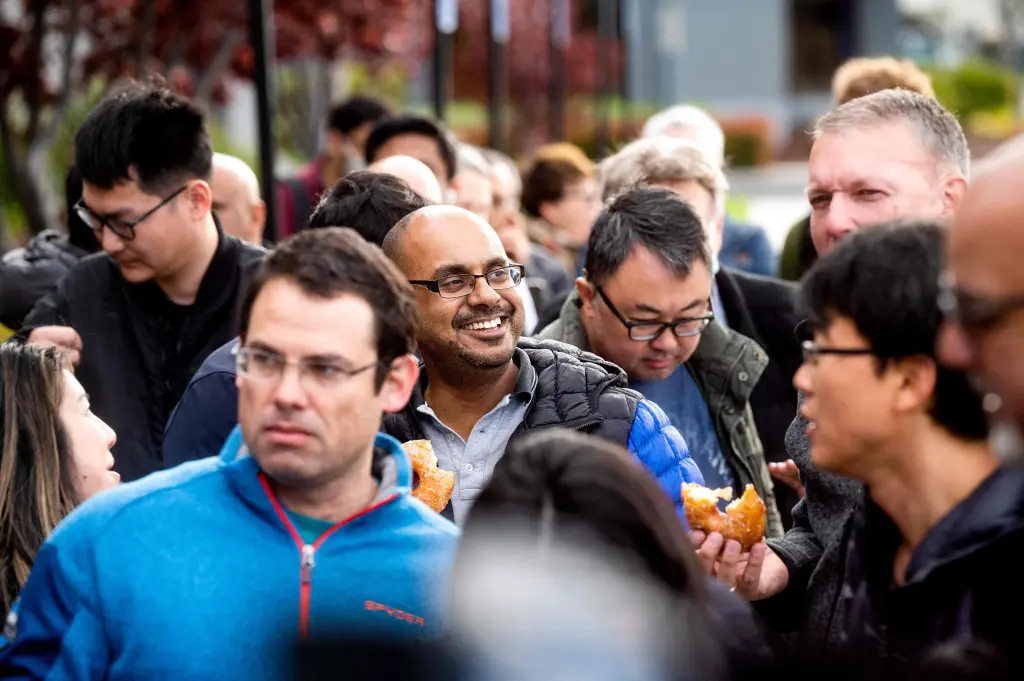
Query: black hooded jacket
x,y
27,274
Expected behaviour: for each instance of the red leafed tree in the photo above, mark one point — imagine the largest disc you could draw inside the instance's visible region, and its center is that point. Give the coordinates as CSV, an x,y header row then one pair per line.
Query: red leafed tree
x,y
56,46
528,56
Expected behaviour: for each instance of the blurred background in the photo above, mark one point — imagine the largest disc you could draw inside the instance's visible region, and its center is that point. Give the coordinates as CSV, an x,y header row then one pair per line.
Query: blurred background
x,y
509,74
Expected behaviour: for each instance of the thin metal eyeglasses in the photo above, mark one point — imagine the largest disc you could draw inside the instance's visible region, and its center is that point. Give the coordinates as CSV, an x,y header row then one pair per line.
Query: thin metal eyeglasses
x,y
266,366
971,311
124,229
687,327
812,351
461,285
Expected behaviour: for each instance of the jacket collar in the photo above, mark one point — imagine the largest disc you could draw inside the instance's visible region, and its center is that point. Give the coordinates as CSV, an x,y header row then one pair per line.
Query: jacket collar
x,y
391,466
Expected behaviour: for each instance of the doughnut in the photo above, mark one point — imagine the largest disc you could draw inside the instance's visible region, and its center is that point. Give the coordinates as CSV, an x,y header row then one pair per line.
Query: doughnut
x,y
431,485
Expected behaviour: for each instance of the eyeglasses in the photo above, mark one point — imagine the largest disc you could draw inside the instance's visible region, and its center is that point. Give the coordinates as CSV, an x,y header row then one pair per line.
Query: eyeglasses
x,y
267,367
648,331
812,351
124,229
461,285
971,311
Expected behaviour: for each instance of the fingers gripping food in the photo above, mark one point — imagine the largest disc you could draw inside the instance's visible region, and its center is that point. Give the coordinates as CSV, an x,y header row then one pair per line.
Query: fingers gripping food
x,y
432,485
743,520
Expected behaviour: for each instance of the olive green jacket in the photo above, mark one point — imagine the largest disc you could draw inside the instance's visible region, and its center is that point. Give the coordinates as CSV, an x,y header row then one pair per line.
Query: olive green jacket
x,y
726,367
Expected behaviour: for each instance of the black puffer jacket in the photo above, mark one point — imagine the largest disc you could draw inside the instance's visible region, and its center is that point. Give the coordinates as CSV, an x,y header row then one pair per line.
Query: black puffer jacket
x,y
27,274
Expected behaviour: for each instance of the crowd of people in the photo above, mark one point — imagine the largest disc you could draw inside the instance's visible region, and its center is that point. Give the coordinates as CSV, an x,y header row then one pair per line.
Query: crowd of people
x,y
204,464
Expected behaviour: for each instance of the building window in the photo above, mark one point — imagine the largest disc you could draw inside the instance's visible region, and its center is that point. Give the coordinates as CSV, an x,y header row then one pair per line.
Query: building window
x,y
823,37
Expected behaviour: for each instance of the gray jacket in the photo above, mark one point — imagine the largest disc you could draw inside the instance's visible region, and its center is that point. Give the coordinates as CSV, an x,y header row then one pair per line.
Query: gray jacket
x,y
726,367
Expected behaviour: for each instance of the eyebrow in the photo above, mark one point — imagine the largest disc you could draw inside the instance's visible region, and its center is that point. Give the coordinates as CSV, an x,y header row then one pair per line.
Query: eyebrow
x,y
448,269
647,309
328,358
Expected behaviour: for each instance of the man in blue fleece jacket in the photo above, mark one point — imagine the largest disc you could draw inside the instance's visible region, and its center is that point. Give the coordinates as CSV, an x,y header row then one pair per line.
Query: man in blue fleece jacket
x,y
304,526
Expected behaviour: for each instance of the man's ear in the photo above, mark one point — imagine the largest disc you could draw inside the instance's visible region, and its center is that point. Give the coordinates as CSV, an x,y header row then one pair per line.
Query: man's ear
x,y
953,192
399,383
200,200
917,377
586,291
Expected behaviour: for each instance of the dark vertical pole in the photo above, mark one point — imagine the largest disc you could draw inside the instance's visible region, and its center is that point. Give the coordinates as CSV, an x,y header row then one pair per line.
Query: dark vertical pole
x,y
559,36
498,91
261,35
606,30
446,22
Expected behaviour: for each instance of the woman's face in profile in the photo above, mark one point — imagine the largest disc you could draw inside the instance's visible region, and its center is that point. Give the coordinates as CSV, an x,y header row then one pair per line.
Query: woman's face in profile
x,y
89,440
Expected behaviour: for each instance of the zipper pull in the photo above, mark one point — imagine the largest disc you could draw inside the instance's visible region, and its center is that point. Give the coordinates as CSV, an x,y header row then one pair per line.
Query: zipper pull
x,y
308,563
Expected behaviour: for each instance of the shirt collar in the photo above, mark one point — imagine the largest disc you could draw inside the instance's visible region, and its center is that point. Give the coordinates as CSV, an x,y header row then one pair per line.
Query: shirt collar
x,y
526,380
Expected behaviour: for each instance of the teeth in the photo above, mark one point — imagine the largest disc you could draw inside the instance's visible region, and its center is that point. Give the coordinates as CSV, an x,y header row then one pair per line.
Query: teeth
x,y
489,324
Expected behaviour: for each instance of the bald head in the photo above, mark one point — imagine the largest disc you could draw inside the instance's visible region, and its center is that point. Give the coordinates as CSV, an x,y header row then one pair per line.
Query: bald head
x,y
415,173
439,225
236,198
984,257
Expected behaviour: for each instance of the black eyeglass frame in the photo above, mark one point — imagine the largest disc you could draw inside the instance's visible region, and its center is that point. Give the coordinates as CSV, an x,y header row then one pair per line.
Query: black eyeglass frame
x,y
812,350
704,320
125,229
434,285
972,311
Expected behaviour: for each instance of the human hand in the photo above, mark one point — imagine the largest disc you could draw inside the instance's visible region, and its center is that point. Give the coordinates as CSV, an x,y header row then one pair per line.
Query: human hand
x,y
755,575
787,472
64,338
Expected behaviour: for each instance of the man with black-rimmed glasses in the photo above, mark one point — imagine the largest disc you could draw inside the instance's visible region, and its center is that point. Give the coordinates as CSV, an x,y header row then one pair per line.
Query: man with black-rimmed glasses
x,y
139,318
644,303
482,384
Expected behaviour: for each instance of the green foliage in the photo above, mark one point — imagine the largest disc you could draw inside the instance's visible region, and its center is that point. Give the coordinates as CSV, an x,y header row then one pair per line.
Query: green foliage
x,y
975,86
746,148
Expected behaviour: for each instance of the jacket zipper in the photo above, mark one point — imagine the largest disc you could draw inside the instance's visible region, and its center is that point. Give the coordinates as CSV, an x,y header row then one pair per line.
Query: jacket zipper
x,y
307,552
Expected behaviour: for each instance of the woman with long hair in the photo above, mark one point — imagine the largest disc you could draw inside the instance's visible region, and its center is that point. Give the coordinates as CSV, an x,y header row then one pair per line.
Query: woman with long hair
x,y
576,545
54,454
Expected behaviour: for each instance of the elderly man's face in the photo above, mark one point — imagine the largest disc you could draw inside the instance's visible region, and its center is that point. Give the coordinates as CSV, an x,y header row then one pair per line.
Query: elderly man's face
x,y
239,214
863,176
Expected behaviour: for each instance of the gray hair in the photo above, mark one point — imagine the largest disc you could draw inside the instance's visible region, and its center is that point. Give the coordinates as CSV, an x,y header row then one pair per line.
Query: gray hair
x,y
659,160
472,159
496,158
937,129
706,132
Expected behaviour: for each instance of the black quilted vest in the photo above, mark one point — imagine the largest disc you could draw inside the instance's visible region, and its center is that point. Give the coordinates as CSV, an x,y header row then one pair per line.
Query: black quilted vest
x,y
575,389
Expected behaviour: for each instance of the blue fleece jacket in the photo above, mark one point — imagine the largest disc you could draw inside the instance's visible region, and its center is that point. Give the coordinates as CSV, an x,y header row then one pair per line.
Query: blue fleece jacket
x,y
198,573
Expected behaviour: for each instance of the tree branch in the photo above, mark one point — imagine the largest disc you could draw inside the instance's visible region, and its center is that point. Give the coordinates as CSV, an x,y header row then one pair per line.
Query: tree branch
x,y
146,37
220,62
34,93
60,107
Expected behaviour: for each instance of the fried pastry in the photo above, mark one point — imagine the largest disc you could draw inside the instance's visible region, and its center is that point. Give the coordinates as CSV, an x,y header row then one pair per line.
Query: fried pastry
x,y
432,485
743,521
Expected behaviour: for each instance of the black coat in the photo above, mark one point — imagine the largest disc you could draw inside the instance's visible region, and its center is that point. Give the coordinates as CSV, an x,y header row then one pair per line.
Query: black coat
x,y
139,350
27,274
764,310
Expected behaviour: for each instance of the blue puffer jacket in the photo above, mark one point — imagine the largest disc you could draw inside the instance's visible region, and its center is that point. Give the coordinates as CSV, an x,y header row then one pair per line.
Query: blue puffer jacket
x,y
574,389
198,573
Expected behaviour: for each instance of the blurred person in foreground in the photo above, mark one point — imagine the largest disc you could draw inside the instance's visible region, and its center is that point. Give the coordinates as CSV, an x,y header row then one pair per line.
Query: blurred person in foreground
x,y
348,126
367,202
27,274
561,199
857,77
139,318
424,139
983,295
483,385
54,454
742,247
571,541
759,308
939,516
890,155
236,199
644,303
304,525
547,280
414,173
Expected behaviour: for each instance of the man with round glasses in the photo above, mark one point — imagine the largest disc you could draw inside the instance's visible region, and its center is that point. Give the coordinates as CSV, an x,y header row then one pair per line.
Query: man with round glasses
x,y
139,318
644,303
482,384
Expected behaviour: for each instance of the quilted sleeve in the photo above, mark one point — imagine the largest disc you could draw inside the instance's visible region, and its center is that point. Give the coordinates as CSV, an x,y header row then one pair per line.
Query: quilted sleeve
x,y
660,448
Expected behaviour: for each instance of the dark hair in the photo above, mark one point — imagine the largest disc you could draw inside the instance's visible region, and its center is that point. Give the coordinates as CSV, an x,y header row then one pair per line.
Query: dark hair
x,y
885,280
79,233
654,218
334,260
553,169
36,488
570,481
354,112
369,203
143,132
393,126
